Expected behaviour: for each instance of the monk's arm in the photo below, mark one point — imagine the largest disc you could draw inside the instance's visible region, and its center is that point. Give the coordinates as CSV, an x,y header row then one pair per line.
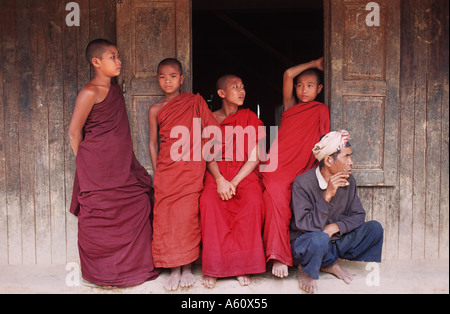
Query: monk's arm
x,y
247,168
288,80
83,105
224,188
153,136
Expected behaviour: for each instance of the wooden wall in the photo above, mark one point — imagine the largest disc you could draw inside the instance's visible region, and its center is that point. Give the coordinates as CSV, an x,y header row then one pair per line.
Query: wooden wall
x,y
415,211
423,199
42,67
412,202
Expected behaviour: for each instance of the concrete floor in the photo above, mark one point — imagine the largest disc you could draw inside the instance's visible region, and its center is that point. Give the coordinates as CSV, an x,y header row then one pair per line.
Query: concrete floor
x,y
389,277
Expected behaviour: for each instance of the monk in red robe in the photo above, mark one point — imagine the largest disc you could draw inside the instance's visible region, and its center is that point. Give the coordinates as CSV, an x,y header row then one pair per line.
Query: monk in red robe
x,y
111,192
179,171
231,204
303,122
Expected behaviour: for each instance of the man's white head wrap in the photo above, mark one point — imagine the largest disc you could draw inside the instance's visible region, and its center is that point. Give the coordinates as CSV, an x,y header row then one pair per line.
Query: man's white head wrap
x,y
330,143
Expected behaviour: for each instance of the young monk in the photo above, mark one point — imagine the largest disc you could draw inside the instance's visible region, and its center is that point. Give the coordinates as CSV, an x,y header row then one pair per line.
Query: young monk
x,y
178,176
111,192
303,122
231,204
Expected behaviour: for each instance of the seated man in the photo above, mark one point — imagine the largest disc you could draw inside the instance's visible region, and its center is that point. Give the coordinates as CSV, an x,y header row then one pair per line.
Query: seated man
x,y
328,218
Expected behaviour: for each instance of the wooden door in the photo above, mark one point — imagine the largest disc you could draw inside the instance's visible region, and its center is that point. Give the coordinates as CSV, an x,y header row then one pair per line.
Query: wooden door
x,y
363,68
149,31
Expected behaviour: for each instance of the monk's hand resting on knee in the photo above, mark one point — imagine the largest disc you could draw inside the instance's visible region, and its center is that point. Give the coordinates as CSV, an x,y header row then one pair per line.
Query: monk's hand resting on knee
x,y
225,189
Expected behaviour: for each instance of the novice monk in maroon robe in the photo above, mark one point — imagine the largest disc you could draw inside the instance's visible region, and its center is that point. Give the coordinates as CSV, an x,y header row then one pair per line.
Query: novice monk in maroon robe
x,y
179,171
231,204
301,127
111,193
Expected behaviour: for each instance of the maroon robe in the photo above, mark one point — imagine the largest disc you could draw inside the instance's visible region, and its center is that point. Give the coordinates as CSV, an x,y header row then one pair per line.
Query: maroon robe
x,y
231,230
111,197
301,127
179,173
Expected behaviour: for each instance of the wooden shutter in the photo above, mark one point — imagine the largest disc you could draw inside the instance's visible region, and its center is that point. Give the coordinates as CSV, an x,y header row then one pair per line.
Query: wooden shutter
x,y
363,69
149,31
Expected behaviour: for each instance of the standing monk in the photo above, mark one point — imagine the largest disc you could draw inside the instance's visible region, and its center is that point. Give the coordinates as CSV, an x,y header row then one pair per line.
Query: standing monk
x,y
231,204
303,122
178,175
111,193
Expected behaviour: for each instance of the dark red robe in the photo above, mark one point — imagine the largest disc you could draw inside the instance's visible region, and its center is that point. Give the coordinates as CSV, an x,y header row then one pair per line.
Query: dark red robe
x,y
301,127
111,197
231,230
179,174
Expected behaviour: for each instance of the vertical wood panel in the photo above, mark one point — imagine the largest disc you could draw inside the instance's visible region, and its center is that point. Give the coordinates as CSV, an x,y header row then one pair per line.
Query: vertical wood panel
x,y
364,86
70,88
441,66
147,32
3,207
391,223
379,210
437,47
26,132
40,125
423,200
365,195
56,131
11,106
407,92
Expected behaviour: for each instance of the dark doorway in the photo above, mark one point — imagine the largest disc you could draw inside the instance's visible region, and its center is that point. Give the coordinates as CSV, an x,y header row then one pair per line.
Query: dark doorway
x,y
256,40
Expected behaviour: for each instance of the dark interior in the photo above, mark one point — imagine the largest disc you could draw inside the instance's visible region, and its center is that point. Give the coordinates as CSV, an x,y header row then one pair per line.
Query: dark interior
x,y
256,40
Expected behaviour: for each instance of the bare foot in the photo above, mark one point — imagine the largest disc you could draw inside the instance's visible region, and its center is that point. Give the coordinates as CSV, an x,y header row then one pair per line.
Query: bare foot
x,y
336,270
279,269
244,280
187,277
305,281
174,280
208,281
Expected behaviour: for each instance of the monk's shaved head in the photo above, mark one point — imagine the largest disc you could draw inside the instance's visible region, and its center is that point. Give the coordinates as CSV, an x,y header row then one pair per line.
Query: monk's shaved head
x,y
222,81
172,62
96,48
310,72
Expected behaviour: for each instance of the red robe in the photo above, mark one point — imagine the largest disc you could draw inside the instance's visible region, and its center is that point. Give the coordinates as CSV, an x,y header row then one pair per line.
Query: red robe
x,y
231,230
179,173
111,197
301,127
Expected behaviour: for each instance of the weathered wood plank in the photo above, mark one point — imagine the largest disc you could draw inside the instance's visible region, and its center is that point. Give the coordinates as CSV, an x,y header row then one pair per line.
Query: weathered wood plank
x,y
391,223
11,112
365,195
70,89
102,19
56,131
437,40
431,36
40,124
3,207
12,127
407,92
433,151
420,133
26,133
379,209
442,67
